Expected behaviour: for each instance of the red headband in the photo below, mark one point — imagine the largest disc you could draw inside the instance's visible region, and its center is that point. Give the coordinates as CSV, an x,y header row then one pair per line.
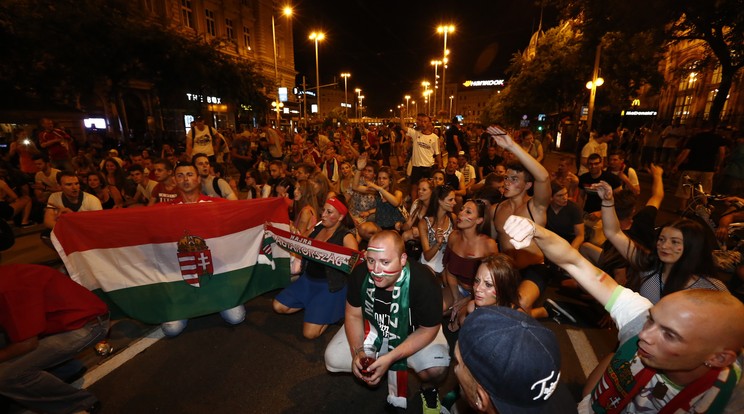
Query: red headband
x,y
338,205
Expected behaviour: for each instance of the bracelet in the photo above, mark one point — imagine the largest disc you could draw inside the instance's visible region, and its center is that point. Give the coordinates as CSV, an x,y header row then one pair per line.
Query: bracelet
x,y
611,205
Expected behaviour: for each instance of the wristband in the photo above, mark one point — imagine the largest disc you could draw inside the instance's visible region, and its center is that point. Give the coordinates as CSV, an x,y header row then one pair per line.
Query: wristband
x,y
610,205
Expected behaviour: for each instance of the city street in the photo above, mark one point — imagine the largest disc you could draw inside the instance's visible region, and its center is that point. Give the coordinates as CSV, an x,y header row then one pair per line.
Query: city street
x,y
264,365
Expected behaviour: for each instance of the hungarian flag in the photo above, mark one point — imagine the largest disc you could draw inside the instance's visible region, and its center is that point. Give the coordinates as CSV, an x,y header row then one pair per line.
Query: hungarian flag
x,y
172,262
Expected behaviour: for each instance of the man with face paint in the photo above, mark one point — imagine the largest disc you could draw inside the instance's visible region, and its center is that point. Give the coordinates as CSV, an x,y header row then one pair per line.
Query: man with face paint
x,y
395,305
681,355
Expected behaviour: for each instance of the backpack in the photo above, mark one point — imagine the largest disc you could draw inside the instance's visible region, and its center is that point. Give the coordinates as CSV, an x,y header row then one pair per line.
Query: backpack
x,y
216,186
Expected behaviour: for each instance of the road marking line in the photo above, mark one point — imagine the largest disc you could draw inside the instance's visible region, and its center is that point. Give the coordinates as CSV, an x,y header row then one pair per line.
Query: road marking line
x,y
584,350
100,371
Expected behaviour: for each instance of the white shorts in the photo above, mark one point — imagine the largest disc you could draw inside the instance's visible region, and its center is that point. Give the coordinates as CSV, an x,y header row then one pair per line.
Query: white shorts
x,y
436,354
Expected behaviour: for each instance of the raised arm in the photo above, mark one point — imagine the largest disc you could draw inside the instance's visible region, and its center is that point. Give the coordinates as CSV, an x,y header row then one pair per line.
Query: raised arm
x,y
541,175
657,186
611,224
522,230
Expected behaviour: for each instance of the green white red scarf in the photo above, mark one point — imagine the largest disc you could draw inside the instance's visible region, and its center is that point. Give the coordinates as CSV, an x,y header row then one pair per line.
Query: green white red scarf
x,y
396,331
332,255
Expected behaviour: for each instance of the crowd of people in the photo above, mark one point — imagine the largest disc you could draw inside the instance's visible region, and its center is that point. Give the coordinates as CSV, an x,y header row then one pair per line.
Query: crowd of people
x,y
462,230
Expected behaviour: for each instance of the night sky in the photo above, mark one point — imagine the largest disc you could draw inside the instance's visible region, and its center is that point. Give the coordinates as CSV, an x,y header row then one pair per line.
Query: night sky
x,y
387,46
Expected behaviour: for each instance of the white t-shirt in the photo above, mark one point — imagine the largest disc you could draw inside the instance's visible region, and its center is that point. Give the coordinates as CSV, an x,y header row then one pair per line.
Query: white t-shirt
x,y
208,188
202,141
146,191
90,202
50,181
629,310
632,177
468,173
425,147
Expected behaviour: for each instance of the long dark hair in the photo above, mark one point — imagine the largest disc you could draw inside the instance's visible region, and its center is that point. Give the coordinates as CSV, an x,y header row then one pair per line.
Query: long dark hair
x,y
506,279
696,259
438,194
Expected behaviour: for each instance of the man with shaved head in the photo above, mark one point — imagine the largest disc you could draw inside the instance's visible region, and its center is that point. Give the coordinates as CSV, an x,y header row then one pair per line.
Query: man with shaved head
x,y
682,355
393,305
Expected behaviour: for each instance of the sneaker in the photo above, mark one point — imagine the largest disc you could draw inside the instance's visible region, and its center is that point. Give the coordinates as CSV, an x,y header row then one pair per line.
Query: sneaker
x,y
555,312
430,402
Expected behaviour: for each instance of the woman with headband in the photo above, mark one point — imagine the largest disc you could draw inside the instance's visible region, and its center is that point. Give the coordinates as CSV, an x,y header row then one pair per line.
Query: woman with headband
x,y
321,290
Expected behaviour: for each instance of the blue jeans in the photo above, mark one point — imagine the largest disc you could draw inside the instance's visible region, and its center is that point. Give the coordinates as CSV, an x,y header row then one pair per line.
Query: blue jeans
x,y
233,316
25,380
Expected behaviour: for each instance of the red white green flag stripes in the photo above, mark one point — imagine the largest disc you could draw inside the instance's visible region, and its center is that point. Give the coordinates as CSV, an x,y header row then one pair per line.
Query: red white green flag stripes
x,y
171,262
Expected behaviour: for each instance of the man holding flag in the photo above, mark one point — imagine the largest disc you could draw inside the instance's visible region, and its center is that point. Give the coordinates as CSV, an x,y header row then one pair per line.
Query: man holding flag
x,y
188,181
396,306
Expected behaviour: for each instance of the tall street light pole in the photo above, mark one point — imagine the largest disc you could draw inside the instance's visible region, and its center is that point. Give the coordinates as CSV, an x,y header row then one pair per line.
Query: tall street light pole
x,y
426,84
317,37
287,11
408,97
361,106
436,64
450,112
359,93
444,30
346,76
596,81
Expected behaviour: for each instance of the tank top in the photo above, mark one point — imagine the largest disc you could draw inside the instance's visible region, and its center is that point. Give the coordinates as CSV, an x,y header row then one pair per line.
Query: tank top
x,y
463,268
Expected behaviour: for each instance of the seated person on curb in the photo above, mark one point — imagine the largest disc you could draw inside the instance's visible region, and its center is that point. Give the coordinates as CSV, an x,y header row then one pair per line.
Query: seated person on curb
x,y
12,205
166,190
70,200
321,290
188,182
521,177
507,362
144,186
395,305
211,185
683,354
48,319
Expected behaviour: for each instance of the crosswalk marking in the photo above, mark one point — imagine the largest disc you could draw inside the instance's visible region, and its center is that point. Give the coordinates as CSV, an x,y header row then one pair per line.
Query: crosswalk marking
x,y
584,350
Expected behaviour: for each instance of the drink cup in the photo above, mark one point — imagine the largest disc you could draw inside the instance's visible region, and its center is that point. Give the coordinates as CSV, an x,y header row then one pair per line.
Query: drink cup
x,y
370,356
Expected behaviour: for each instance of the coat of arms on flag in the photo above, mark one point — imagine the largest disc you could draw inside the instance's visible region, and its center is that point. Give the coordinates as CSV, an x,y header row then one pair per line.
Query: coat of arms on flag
x,y
194,259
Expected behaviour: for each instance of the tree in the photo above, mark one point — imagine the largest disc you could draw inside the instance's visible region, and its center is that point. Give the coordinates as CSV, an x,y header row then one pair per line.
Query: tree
x,y
718,24
55,50
549,81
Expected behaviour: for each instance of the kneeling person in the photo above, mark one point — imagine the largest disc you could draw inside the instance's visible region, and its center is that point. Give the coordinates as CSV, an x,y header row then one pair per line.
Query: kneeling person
x,y
394,305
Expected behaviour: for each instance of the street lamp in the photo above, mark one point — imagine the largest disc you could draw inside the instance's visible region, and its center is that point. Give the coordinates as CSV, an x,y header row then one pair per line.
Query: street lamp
x,y
359,93
317,37
346,94
426,84
408,97
450,112
444,29
361,106
416,105
436,64
287,11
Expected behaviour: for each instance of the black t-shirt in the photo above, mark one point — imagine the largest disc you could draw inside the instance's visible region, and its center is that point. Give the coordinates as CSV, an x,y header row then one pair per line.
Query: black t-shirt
x,y
593,202
563,222
449,140
424,292
489,164
703,151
